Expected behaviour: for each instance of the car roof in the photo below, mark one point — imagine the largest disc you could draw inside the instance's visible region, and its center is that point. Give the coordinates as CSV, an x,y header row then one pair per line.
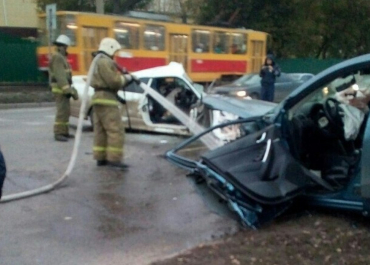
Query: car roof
x,y
173,69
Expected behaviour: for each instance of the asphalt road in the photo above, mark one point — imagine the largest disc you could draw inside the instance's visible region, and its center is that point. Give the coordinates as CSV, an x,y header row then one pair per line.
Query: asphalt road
x,y
100,215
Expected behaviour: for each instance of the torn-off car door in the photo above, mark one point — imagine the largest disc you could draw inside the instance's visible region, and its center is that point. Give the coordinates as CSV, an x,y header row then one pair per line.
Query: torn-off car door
x,y
262,172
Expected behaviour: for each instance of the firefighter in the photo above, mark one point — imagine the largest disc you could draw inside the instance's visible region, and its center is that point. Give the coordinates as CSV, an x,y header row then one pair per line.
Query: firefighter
x,y
109,131
61,86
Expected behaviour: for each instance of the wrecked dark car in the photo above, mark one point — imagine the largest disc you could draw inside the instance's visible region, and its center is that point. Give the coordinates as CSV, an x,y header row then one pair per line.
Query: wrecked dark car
x,y
313,147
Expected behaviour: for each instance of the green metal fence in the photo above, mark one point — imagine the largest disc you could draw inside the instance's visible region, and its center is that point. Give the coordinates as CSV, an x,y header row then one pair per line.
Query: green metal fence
x,y
306,65
18,63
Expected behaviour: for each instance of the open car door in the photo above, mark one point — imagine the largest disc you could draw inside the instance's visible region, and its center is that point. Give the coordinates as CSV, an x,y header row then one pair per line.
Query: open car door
x,y
255,174
156,117
131,116
365,167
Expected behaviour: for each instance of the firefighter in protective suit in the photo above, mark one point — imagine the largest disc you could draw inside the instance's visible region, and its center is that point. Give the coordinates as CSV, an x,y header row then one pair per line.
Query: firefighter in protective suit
x,y
61,86
109,131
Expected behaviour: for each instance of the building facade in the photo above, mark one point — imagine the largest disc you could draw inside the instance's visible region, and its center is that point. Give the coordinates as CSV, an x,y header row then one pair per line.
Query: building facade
x,y
18,13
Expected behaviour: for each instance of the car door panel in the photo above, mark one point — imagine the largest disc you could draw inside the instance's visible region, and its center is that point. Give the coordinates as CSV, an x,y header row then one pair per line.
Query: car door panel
x,y
365,158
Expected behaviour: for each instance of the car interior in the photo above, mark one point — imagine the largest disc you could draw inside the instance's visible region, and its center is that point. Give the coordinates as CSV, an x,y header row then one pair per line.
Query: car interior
x,y
261,165
316,129
177,92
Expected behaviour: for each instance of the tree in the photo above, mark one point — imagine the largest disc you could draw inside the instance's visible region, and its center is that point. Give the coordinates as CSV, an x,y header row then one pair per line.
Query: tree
x,y
181,8
111,6
69,5
303,28
188,8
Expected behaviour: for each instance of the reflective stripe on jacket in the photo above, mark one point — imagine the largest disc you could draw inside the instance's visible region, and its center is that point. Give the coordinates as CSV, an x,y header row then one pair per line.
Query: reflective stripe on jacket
x,y
56,90
107,80
107,102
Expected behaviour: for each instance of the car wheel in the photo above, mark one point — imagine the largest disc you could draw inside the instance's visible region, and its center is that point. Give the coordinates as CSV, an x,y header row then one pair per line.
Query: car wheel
x,y
255,95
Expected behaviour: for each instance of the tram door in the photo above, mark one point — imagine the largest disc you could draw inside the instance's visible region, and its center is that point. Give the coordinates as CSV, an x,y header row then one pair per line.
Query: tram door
x,y
257,56
179,49
91,40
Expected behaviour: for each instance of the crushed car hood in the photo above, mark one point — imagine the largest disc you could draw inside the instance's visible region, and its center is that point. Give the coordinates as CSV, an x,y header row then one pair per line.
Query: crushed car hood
x,y
244,108
232,87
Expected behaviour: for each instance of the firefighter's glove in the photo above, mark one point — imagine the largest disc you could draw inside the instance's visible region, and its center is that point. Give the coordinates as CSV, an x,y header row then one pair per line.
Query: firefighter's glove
x,y
121,100
135,79
128,78
67,91
131,78
74,93
70,92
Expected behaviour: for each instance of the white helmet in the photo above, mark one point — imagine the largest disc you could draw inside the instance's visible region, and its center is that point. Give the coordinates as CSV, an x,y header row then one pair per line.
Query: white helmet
x,y
109,46
63,40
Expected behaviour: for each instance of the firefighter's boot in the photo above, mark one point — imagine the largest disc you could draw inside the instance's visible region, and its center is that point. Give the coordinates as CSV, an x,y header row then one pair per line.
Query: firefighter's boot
x,y
101,163
60,138
118,165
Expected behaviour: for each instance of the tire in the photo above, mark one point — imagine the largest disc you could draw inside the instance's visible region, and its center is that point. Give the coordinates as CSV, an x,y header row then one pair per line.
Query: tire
x,y
255,95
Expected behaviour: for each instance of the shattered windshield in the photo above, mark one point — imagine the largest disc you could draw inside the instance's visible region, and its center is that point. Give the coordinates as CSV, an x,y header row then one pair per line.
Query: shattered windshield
x,y
352,85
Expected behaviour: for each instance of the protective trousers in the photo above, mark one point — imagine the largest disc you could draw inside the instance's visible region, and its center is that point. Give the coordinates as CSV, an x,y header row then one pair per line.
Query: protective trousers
x,y
109,133
62,115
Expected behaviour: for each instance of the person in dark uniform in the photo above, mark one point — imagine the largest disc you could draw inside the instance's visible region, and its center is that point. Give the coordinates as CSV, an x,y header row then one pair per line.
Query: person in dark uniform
x,y
270,70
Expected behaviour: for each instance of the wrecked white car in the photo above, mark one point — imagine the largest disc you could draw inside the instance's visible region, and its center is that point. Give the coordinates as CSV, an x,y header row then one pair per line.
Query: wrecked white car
x,y
141,112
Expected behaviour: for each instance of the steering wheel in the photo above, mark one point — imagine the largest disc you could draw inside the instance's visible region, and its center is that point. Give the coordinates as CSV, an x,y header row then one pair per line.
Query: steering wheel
x,y
332,112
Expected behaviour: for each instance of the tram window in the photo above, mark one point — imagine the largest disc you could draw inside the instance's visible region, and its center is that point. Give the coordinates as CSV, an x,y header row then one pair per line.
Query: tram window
x,y
65,25
127,34
154,37
221,42
201,40
68,27
238,43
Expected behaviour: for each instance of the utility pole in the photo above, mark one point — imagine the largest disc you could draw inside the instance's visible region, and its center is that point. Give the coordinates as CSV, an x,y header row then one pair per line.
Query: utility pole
x,y
99,6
